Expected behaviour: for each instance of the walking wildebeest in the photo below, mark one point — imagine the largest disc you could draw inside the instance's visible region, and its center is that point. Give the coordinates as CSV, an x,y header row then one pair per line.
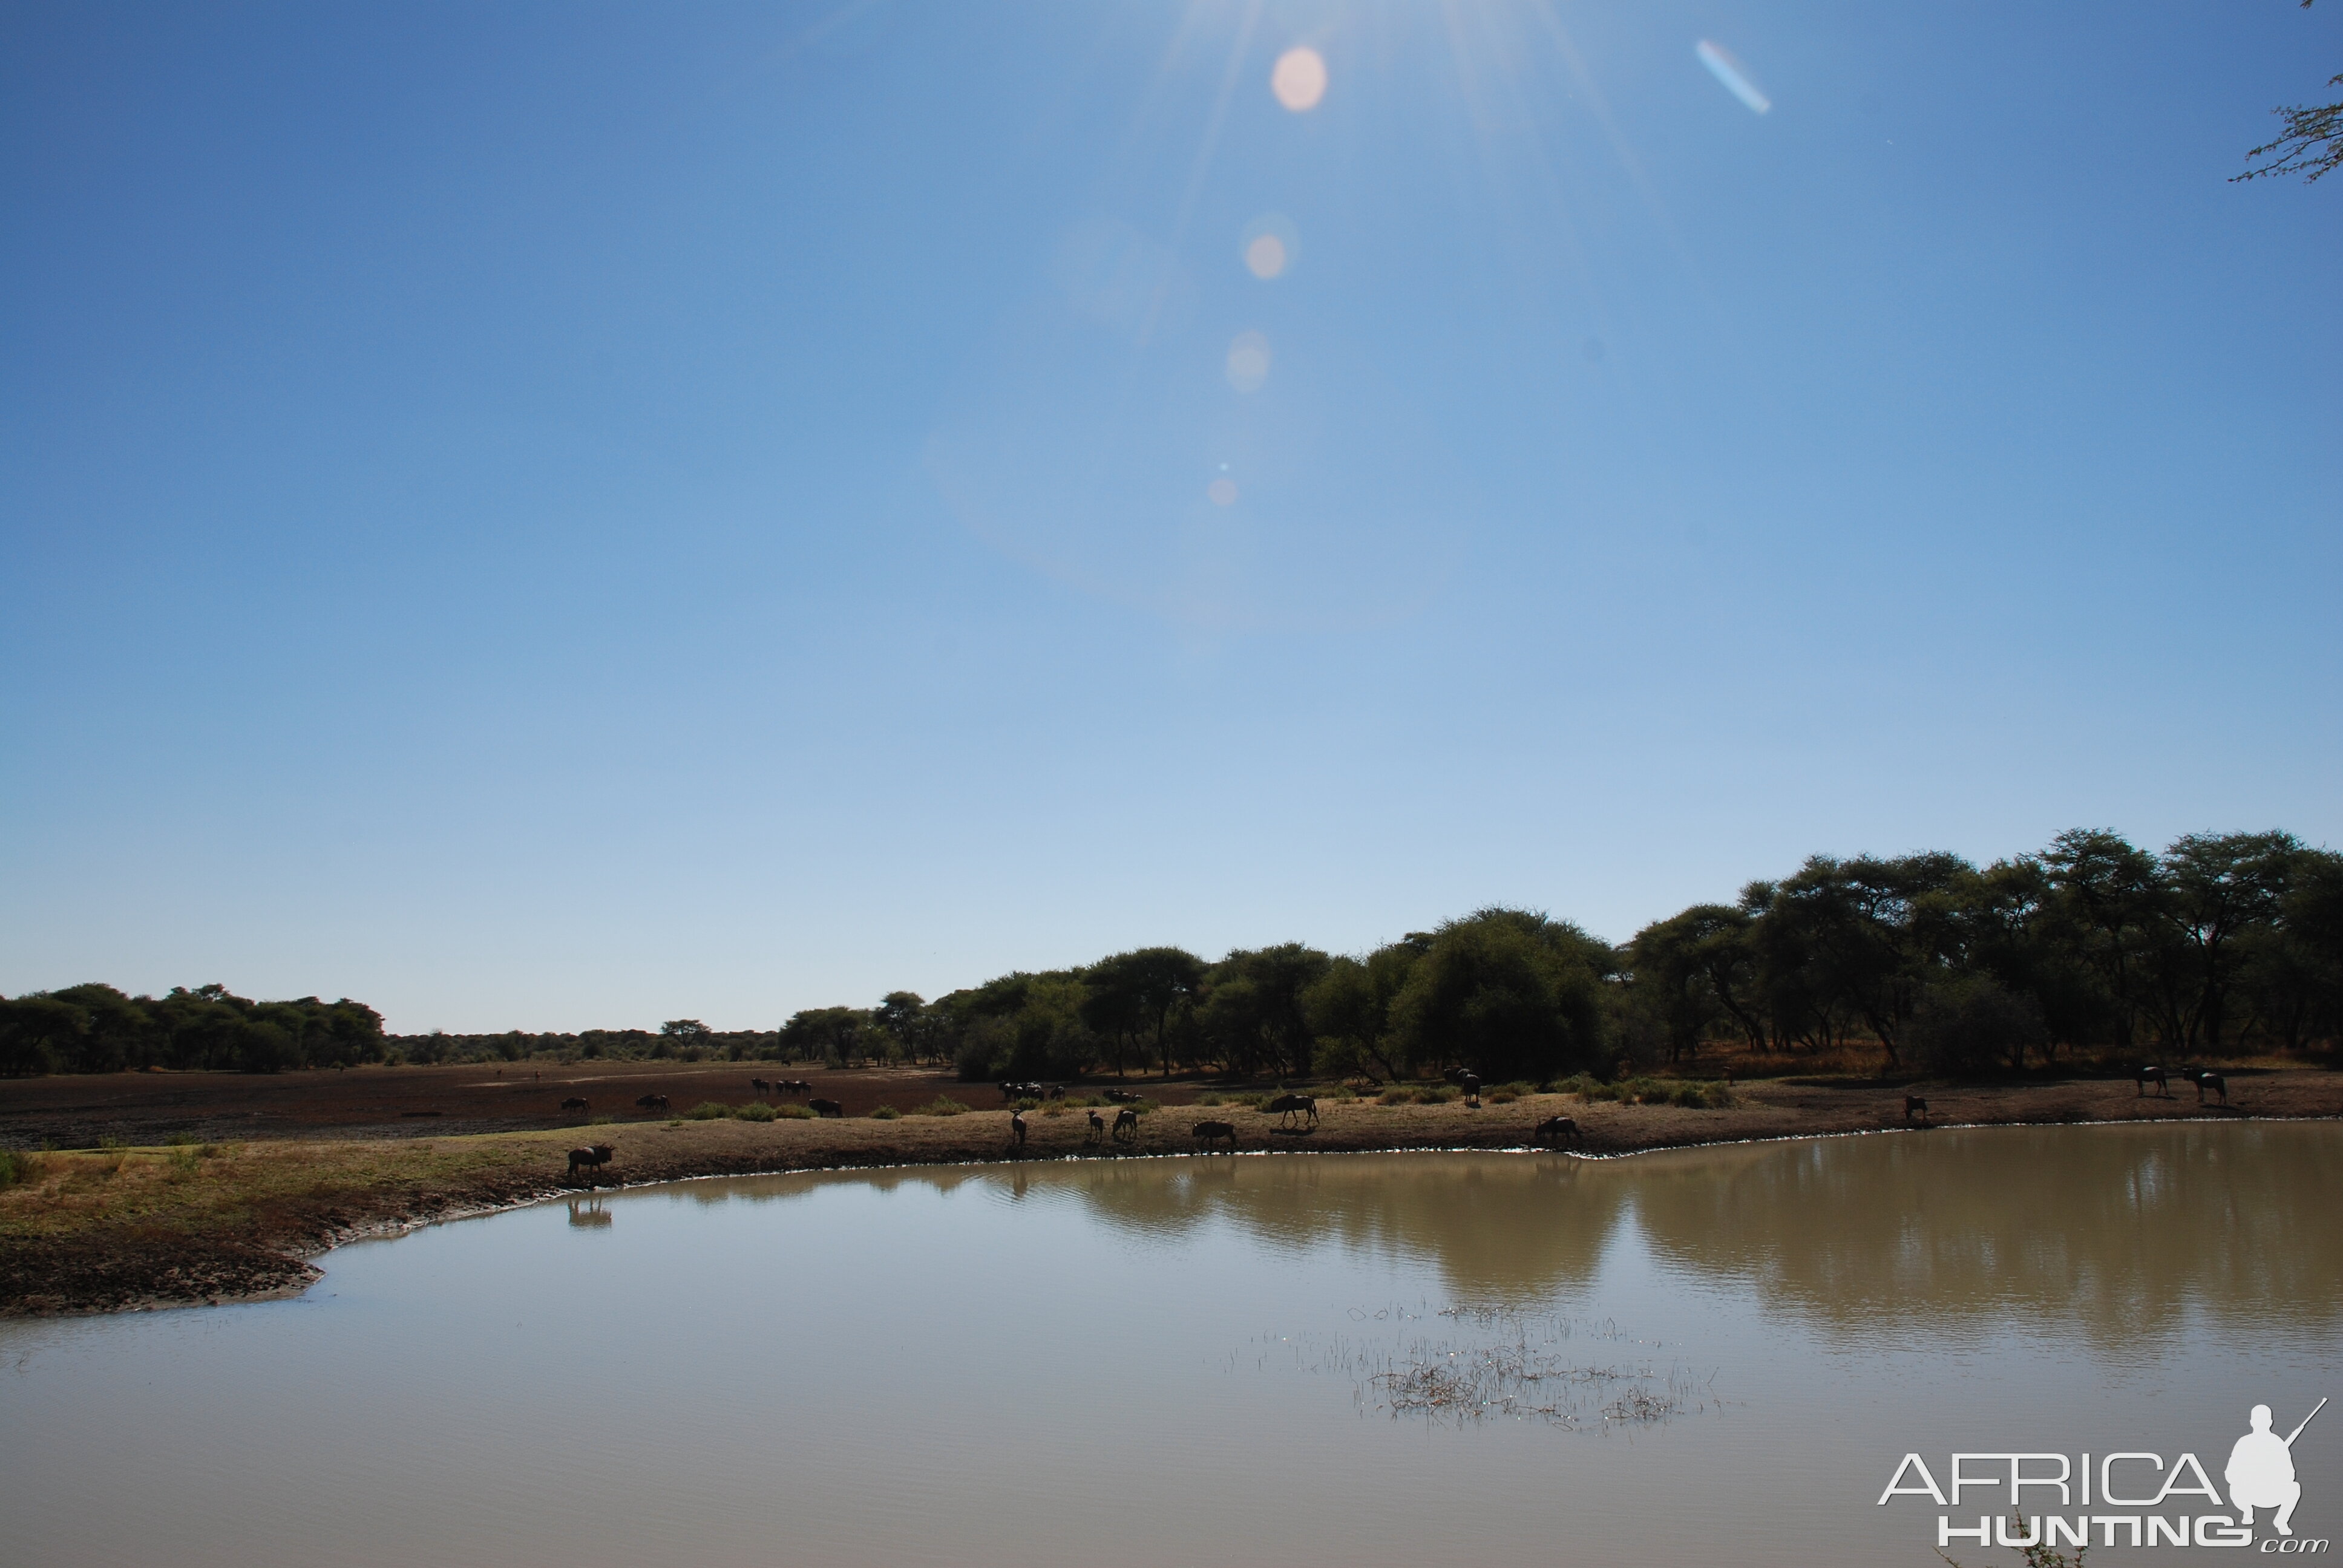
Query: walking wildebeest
x,y
1555,1128
1126,1120
2148,1075
2214,1082
1289,1106
825,1108
760,1086
1206,1132
1017,1129
592,1159
574,1103
651,1102
1097,1129
1914,1104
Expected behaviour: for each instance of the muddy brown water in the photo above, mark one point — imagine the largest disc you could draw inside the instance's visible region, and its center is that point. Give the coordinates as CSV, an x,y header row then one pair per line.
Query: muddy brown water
x,y
1709,1356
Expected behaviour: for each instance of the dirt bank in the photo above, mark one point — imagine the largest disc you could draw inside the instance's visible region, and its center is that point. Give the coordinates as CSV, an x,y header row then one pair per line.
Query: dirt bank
x,y
239,1217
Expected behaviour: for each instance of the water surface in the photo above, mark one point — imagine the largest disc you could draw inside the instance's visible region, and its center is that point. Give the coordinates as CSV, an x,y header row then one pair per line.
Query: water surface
x,y
1182,1360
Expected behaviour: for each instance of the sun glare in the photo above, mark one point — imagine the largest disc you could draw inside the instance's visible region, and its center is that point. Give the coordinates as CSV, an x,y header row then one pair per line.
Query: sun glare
x,y
1300,79
1248,365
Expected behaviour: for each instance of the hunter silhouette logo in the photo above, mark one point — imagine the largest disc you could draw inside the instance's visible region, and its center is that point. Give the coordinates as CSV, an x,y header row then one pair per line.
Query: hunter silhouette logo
x,y
2146,1501
2261,1471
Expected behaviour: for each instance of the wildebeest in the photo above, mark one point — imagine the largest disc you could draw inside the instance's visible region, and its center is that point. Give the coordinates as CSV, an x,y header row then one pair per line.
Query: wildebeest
x,y
1097,1129
574,1103
760,1086
1017,1128
652,1102
1122,1096
825,1108
1557,1130
794,1086
1012,1088
1126,1120
1915,1106
1057,1091
593,1159
1287,1107
2214,1082
2148,1075
1206,1132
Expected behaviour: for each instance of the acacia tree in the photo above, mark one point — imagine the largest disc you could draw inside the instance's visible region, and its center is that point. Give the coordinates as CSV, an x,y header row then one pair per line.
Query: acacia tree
x,y
2311,143
1143,986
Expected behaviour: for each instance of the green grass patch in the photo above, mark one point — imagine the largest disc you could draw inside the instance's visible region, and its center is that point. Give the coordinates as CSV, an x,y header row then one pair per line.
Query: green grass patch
x,y
708,1110
795,1113
941,1105
885,1113
755,1110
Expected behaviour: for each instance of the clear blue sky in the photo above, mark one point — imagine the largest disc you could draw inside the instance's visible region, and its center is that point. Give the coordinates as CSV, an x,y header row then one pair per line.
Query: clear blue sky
x,y
549,515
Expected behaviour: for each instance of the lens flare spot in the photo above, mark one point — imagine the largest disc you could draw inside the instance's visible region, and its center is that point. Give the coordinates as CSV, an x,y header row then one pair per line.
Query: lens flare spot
x,y
1248,363
1271,245
1733,74
1299,79
1223,491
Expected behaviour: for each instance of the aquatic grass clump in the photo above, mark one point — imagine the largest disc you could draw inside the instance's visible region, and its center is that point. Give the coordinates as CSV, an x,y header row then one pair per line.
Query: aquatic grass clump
x,y
885,1113
708,1110
794,1114
755,1110
941,1105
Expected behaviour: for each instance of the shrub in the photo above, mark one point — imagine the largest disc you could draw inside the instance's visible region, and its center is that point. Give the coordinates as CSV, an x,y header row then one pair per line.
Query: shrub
x,y
708,1110
1208,1099
1504,1096
941,1105
885,1113
795,1113
1029,1103
1397,1094
755,1110
14,1167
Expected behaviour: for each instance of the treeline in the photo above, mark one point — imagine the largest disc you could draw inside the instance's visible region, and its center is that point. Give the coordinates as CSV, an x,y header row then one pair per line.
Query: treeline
x,y
97,1029
2221,944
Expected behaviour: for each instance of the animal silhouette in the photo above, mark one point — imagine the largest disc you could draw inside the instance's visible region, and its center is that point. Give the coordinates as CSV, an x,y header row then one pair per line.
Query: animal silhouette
x,y
1208,1132
1557,1130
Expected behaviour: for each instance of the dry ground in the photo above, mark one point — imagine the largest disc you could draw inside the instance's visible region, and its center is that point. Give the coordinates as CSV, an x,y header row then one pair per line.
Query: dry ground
x,y
312,1164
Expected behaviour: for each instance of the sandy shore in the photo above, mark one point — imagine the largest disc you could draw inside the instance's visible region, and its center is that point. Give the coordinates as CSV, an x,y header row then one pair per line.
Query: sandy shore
x,y
125,1229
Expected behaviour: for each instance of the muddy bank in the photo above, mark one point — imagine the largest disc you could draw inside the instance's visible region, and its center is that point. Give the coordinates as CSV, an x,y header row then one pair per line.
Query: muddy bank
x,y
127,1229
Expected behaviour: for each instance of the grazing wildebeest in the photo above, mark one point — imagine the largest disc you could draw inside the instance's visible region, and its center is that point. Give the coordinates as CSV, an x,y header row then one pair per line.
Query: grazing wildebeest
x,y
1097,1129
825,1108
1017,1129
2148,1075
1470,1085
574,1103
1206,1132
651,1102
1556,1128
2214,1082
1289,1106
1914,1105
592,1159
1126,1120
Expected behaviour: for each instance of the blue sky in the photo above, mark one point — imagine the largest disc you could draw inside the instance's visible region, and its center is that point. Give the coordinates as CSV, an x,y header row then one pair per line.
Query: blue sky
x,y
542,514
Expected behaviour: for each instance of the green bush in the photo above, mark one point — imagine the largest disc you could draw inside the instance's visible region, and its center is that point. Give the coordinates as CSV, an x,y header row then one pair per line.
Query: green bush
x,y
755,1110
708,1110
885,1113
941,1105
14,1167
796,1112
